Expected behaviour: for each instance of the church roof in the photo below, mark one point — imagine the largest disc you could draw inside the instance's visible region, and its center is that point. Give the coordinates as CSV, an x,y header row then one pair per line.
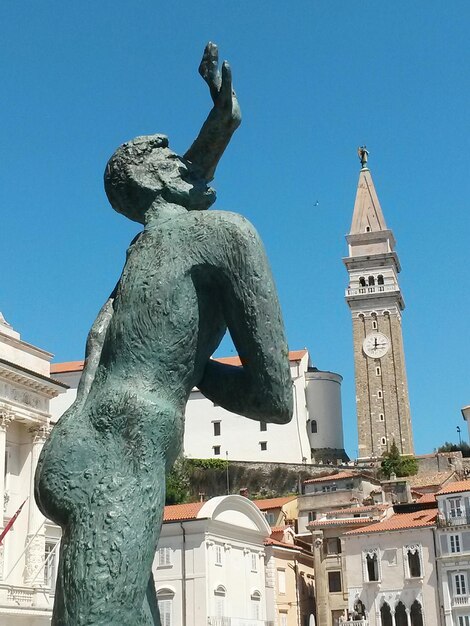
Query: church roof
x,y
367,214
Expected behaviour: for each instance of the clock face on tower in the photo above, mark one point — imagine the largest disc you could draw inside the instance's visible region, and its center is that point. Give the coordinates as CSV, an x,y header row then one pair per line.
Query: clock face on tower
x,y
376,345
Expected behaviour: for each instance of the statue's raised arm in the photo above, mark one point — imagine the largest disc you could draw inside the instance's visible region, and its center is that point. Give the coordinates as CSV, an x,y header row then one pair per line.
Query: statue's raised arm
x,y
222,121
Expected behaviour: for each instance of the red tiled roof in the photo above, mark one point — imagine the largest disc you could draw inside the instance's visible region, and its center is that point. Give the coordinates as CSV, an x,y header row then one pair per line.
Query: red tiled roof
x,y
337,476
176,512
457,487
77,366
428,497
400,521
269,541
273,503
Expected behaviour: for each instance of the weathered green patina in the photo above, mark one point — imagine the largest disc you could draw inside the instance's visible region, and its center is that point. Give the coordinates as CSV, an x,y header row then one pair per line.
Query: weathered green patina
x,y
189,275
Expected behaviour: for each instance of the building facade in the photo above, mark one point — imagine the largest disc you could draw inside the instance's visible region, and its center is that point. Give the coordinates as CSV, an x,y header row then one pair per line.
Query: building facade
x,y
453,545
29,550
376,303
392,578
315,432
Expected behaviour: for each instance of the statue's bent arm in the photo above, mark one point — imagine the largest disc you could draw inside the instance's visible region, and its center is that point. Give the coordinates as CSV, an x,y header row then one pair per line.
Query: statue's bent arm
x,y
261,388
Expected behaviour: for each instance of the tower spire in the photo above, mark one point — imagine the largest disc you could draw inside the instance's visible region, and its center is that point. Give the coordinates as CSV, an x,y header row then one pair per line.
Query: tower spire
x,y
367,214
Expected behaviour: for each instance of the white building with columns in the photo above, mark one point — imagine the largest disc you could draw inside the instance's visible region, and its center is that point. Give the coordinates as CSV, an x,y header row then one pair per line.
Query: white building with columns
x,y
315,432
29,550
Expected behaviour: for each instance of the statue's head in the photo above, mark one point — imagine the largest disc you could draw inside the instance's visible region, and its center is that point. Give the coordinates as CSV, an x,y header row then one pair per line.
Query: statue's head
x,y
144,169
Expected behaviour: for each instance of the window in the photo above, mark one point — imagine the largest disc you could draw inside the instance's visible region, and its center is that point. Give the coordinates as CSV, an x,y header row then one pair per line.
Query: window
x,y
216,450
263,426
254,562
416,614
312,516
367,229
216,429
374,324
455,508
380,279
164,557
386,615
371,565
454,544
362,281
332,545
282,618
219,601
165,606
381,417
255,605
460,584
270,518
263,445
371,281
413,561
334,581
383,441
379,394
51,554
281,580
378,371
400,615
218,555
464,620
313,426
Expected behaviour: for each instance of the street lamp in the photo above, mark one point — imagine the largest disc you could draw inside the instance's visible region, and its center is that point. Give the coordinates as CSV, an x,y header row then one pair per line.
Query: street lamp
x,y
460,437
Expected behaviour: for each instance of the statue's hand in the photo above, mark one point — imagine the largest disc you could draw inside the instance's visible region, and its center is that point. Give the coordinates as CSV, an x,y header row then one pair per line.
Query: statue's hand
x,y
220,85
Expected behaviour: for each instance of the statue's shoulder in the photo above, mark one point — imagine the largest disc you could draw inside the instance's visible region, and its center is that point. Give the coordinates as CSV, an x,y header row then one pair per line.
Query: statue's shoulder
x,y
230,223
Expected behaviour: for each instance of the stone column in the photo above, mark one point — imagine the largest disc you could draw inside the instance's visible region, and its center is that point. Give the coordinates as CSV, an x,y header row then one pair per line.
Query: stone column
x,y
408,617
321,590
5,419
36,549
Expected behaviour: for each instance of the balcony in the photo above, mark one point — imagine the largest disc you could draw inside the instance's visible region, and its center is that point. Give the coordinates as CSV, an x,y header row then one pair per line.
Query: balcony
x,y
355,622
460,601
363,291
237,621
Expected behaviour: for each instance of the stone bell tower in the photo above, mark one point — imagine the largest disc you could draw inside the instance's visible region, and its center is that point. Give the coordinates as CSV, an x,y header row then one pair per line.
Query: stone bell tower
x,y
376,303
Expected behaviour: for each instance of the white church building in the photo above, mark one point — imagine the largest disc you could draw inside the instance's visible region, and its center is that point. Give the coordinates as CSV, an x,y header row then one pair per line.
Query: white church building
x,y
314,434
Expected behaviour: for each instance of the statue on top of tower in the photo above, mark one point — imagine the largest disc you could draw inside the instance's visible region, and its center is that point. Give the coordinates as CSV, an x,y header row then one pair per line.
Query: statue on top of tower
x,y
363,155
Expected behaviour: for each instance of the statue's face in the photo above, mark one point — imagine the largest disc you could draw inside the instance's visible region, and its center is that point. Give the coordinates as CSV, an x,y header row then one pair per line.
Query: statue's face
x,y
144,169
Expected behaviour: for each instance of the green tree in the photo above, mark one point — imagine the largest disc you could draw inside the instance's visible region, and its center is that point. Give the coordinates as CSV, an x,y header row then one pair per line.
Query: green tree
x,y
394,463
177,483
447,446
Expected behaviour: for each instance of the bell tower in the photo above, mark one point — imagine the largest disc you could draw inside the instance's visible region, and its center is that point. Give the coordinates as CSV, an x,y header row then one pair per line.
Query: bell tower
x,y
376,303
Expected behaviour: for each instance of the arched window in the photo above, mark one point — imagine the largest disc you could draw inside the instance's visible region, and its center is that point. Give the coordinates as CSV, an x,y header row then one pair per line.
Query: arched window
x,y
380,279
219,601
367,229
414,561
400,615
371,281
256,605
362,281
165,606
359,610
313,426
416,614
385,615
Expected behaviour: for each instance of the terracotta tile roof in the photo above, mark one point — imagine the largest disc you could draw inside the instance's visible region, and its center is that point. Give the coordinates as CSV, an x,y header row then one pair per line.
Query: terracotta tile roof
x,y
428,497
269,541
176,512
457,487
273,503
401,521
77,366
336,476
429,480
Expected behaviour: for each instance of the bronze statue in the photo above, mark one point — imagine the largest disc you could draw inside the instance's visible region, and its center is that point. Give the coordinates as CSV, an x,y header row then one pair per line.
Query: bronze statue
x,y
189,275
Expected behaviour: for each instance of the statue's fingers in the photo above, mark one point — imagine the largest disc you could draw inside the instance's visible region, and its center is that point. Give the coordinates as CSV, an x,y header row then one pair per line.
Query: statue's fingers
x,y
208,67
225,95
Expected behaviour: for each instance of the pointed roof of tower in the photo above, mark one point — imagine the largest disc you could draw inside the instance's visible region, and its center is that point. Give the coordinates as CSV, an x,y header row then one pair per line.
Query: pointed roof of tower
x,y
367,214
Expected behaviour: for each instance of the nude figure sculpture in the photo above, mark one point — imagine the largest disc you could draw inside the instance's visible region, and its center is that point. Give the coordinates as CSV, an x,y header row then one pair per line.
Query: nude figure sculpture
x,y
190,275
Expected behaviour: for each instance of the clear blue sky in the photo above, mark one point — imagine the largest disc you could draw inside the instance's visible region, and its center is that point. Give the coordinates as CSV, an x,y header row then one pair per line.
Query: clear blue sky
x,y
315,80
